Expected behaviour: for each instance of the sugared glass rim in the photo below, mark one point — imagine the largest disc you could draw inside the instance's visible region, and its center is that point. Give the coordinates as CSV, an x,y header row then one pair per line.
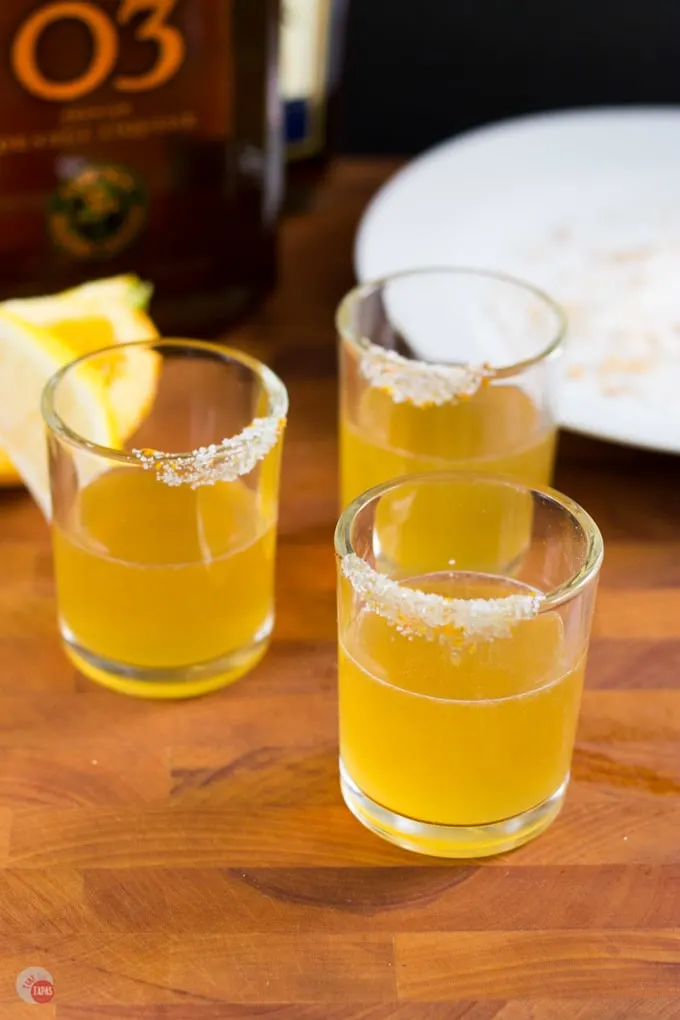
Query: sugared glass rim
x,y
362,344
564,592
273,386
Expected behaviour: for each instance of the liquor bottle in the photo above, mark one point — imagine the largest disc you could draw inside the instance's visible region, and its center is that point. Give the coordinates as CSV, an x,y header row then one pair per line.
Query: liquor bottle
x,y
312,51
141,136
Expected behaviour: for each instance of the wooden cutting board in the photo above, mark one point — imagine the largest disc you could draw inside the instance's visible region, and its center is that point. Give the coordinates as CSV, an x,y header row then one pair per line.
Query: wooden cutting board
x,y
194,861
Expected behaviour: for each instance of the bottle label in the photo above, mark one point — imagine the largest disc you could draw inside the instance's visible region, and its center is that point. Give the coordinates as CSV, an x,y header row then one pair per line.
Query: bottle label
x,y
101,64
96,94
82,72
305,64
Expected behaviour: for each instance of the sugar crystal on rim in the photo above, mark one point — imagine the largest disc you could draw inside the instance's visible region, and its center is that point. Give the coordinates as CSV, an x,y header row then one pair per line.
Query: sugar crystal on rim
x,y
417,613
418,382
219,462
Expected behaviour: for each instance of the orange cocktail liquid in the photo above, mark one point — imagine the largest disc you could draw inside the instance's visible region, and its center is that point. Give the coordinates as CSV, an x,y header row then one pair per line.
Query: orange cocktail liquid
x,y
498,430
461,735
160,578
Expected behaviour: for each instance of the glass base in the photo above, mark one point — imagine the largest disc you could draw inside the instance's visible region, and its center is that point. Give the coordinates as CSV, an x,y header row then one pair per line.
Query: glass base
x,y
462,841
168,683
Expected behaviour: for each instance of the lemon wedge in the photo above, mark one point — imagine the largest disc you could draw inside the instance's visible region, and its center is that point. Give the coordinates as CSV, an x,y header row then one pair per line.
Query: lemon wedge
x,y
86,318
29,356
130,376
114,290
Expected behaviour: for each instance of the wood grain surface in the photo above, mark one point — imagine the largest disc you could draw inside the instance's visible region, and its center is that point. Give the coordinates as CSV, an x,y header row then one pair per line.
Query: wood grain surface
x,y
194,861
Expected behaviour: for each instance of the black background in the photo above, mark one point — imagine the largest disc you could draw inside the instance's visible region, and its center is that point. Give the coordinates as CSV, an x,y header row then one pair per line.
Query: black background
x,y
418,71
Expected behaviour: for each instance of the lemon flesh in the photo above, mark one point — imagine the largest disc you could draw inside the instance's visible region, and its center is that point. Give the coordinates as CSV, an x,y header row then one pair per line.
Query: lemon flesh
x,y
29,357
87,318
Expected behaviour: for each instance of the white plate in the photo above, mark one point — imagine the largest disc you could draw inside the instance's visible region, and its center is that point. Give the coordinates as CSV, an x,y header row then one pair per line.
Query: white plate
x,y
584,204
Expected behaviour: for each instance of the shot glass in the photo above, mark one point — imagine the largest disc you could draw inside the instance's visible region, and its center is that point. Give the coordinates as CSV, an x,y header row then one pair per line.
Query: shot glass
x,y
459,690
164,541
447,369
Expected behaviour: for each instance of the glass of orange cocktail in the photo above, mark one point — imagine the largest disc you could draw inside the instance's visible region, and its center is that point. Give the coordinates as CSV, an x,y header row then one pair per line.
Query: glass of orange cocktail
x,y
459,687
447,369
164,542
